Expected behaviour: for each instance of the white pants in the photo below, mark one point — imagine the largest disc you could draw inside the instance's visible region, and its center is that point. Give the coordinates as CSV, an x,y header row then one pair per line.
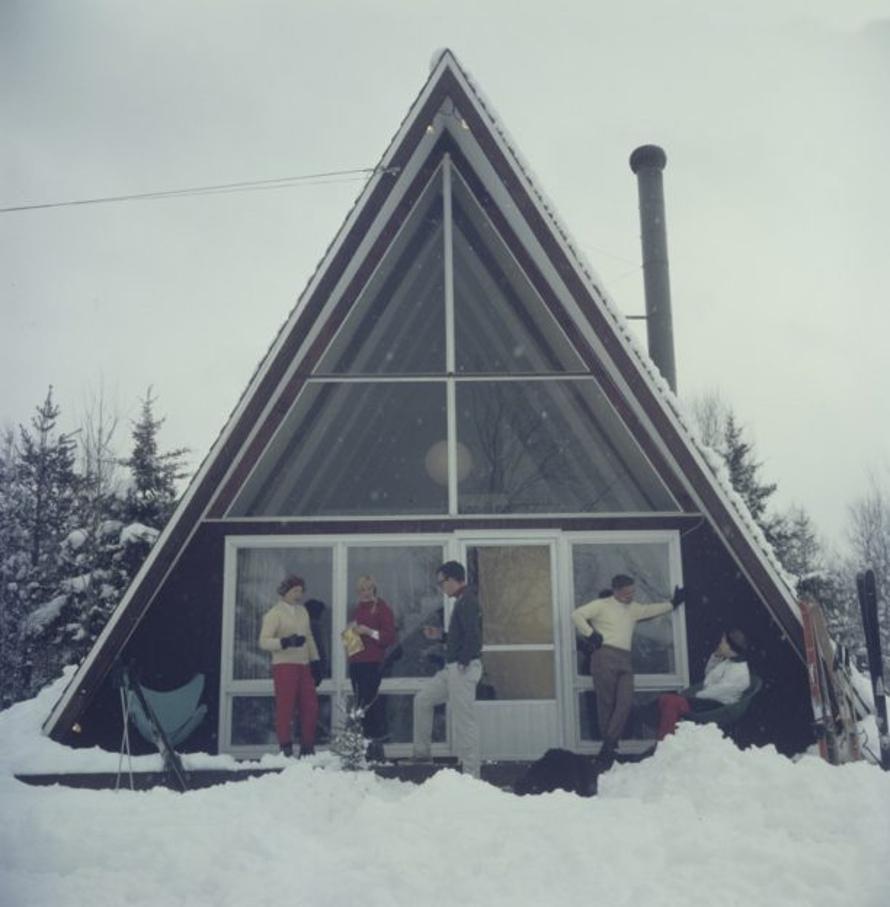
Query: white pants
x,y
458,688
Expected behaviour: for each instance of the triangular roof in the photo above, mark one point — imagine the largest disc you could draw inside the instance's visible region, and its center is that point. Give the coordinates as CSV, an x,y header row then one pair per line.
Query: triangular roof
x,y
449,116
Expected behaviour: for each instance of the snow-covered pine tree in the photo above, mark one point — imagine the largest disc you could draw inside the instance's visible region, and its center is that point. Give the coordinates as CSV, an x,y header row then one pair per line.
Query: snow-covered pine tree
x,y
111,539
152,496
349,742
743,471
14,565
42,489
792,534
91,584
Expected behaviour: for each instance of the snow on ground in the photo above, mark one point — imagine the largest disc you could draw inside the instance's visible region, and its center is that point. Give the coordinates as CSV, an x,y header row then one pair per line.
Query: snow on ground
x,y
700,823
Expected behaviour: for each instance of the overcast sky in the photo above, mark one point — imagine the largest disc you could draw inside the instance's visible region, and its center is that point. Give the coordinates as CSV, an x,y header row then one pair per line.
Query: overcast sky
x,y
774,116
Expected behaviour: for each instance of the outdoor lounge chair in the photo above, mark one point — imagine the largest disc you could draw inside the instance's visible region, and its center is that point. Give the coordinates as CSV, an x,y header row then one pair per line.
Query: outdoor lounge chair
x,y
164,719
177,711
724,716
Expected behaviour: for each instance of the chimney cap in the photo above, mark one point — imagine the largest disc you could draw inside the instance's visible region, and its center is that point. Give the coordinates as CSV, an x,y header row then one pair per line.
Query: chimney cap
x,y
648,156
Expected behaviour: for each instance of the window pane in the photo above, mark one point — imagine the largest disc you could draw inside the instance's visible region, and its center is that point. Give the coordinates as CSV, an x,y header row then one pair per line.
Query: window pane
x,y
350,449
253,721
260,570
397,325
514,591
406,580
518,675
501,324
550,446
593,567
641,725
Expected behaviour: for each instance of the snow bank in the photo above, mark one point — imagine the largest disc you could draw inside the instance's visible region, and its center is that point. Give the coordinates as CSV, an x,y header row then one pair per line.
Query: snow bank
x,y
697,824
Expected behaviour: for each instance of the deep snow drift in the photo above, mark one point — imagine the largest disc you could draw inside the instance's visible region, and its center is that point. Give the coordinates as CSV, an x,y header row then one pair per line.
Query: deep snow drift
x,y
700,823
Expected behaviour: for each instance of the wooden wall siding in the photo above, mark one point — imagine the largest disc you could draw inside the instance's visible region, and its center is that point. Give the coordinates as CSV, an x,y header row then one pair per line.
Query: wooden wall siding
x,y
180,636
721,597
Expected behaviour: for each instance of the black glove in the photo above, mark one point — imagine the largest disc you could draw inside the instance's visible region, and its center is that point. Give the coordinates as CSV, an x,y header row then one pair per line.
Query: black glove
x,y
594,641
294,641
678,597
317,671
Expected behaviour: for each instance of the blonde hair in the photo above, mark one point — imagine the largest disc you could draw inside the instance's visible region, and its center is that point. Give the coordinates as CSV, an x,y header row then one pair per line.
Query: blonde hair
x,y
365,581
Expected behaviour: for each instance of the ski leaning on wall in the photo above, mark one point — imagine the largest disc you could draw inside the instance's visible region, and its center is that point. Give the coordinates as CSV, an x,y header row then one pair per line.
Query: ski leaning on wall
x,y
868,602
833,696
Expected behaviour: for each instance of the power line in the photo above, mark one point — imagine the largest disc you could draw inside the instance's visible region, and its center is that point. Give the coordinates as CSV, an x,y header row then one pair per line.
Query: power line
x,y
284,182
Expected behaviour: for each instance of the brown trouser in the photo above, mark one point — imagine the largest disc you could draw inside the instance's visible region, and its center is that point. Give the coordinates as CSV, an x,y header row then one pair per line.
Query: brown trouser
x,y
613,681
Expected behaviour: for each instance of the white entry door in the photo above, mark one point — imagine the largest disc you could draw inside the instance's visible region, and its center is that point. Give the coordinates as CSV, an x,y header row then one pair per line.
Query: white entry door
x,y
517,700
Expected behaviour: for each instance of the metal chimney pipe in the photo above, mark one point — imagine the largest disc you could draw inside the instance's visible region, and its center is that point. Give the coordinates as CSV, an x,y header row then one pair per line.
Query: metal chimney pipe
x,y
647,162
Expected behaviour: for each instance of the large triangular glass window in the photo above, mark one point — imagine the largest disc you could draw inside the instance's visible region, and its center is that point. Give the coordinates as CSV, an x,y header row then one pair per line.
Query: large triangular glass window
x,y
354,448
501,324
550,446
397,325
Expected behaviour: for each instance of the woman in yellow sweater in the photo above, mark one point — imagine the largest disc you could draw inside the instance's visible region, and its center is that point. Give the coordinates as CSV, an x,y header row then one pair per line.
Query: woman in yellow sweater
x,y
287,634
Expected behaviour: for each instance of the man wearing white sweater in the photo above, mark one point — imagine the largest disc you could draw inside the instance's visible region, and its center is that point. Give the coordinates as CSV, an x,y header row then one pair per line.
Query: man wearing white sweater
x,y
608,625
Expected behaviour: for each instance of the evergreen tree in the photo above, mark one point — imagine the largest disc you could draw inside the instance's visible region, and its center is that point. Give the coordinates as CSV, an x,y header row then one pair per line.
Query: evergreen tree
x,y
152,497
791,535
14,564
40,495
46,470
349,742
111,539
65,627
743,471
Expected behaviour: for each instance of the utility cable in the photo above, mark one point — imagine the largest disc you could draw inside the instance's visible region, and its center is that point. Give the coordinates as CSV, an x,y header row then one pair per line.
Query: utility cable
x,y
283,182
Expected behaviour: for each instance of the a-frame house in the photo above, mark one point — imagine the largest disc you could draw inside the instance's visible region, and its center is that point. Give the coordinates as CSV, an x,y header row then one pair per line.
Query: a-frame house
x,y
453,383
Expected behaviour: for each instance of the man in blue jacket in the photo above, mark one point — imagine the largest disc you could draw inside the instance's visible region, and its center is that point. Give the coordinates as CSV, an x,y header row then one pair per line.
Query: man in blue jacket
x,y
456,682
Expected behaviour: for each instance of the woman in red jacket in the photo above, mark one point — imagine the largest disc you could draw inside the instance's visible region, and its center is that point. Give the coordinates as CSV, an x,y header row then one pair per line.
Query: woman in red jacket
x,y
373,620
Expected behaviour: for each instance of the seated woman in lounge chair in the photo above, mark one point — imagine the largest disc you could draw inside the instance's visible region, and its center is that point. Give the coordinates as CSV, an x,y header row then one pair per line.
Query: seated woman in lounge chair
x,y
726,679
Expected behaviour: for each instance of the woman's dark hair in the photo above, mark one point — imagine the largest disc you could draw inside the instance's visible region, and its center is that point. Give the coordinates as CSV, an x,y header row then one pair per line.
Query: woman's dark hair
x,y
737,640
289,582
622,581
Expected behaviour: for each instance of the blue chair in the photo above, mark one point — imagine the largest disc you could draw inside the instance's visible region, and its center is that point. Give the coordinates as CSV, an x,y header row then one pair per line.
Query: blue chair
x,y
163,719
177,711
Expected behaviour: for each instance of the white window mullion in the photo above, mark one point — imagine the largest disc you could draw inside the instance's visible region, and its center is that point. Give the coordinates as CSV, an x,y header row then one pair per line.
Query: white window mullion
x,y
450,389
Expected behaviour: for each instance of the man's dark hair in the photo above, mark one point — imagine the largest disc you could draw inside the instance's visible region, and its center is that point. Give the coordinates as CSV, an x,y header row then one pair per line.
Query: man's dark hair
x,y
289,582
621,581
453,570
738,642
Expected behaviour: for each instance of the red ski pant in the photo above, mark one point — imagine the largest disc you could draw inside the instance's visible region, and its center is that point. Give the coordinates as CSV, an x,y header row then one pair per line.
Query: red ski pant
x,y
294,691
671,708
